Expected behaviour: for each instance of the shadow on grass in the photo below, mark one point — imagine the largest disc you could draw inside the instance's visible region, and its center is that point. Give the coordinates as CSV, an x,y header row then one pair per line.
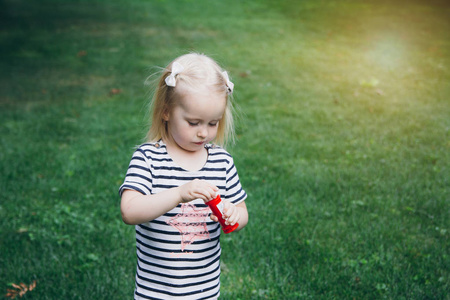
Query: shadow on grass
x,y
28,26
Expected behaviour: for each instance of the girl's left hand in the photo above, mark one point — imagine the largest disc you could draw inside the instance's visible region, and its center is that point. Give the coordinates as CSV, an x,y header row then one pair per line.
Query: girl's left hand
x,y
231,214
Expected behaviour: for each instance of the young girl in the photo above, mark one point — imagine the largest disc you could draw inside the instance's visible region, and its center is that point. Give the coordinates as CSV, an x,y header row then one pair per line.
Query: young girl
x,y
170,178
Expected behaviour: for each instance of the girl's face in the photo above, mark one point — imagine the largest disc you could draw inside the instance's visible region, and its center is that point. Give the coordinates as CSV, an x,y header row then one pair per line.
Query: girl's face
x,y
194,120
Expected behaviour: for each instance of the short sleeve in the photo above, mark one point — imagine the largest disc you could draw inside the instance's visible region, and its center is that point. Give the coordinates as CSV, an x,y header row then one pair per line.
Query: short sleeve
x,y
234,191
139,175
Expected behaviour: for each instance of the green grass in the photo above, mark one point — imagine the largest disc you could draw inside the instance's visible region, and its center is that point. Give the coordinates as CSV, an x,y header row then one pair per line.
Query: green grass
x,y
344,142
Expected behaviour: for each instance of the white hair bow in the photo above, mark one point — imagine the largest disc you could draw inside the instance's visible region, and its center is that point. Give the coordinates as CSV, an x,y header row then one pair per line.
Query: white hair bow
x,y
176,69
229,84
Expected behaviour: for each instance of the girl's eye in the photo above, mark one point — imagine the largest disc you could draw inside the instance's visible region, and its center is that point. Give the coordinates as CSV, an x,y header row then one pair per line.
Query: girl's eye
x,y
193,123
212,124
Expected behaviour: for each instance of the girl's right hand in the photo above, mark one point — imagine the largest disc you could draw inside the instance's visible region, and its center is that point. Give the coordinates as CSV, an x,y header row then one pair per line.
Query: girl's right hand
x,y
196,189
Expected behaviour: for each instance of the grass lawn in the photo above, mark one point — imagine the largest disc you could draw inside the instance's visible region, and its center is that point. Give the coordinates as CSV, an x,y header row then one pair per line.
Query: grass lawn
x,y
343,142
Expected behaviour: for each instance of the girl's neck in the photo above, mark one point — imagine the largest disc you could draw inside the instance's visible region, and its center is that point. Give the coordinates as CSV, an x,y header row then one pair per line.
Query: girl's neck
x,y
188,160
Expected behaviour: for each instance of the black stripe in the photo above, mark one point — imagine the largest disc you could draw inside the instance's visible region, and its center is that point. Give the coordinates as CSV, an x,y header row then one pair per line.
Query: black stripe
x,y
230,169
178,259
218,161
242,197
138,183
234,195
175,294
144,227
161,159
145,152
163,241
130,187
176,276
232,177
175,252
222,152
140,167
145,296
179,286
139,176
164,186
188,178
169,168
184,268
208,223
233,186
138,158
214,169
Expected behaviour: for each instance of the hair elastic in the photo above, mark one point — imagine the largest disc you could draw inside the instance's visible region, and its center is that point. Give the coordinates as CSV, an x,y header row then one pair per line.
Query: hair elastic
x,y
176,69
230,85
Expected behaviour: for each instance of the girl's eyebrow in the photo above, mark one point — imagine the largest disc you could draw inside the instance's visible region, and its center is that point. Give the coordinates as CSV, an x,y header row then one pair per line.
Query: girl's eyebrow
x,y
200,119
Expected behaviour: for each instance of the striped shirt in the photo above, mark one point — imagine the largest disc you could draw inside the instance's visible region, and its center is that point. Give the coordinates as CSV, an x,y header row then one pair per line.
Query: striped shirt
x,y
178,253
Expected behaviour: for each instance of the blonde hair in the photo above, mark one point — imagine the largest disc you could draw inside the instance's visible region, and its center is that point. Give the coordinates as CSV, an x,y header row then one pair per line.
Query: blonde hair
x,y
199,72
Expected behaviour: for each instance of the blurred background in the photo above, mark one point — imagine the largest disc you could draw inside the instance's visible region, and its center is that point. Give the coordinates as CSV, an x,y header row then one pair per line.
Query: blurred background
x,y
343,142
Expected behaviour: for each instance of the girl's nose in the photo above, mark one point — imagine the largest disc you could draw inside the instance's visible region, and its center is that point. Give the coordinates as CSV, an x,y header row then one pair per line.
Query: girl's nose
x,y
202,132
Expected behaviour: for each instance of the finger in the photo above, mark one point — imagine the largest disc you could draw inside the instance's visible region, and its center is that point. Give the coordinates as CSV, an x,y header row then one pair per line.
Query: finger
x,y
233,219
200,195
210,194
214,189
232,215
205,190
206,183
228,209
214,218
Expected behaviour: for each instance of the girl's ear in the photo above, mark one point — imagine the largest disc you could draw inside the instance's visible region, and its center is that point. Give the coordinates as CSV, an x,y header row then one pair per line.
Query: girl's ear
x,y
165,116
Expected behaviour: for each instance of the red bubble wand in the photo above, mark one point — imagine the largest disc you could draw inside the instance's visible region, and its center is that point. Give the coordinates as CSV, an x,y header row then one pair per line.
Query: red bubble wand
x,y
216,205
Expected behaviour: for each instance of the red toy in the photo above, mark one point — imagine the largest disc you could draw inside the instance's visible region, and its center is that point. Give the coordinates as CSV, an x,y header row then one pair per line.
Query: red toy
x,y
216,206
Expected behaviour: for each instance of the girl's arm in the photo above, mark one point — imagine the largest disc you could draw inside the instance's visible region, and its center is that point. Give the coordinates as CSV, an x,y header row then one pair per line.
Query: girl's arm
x,y
137,208
243,215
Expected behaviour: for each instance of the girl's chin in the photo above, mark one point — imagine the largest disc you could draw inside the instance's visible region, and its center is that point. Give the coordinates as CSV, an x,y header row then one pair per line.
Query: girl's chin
x,y
193,147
